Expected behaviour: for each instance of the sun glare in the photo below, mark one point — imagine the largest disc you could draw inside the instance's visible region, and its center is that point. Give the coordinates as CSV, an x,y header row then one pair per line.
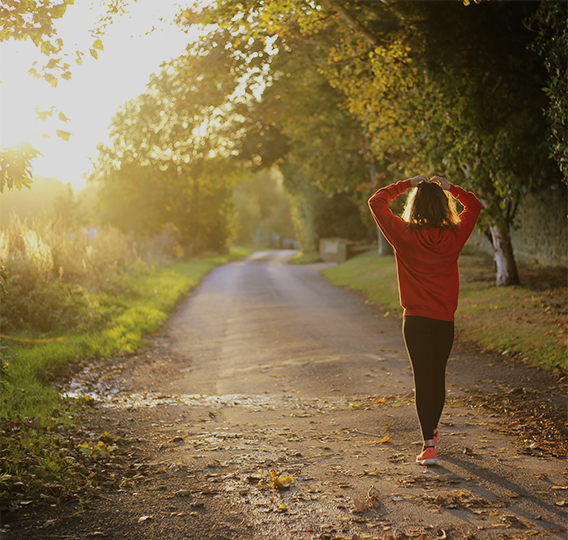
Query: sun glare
x,y
77,112
18,91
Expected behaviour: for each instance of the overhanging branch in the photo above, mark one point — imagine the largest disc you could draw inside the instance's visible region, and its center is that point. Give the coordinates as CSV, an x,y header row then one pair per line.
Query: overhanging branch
x,y
373,39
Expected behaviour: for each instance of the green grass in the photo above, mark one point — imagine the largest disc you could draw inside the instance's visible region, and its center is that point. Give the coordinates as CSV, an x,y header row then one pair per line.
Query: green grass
x,y
305,258
33,417
372,276
520,321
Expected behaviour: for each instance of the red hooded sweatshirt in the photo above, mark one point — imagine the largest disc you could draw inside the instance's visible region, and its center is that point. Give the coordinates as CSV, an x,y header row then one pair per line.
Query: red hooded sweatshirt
x,y
426,259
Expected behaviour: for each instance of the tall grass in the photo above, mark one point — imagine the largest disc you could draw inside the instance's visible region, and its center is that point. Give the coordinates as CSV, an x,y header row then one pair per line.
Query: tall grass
x,y
53,271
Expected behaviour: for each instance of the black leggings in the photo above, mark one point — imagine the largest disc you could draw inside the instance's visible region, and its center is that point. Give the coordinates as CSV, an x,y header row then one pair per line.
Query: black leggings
x,y
428,343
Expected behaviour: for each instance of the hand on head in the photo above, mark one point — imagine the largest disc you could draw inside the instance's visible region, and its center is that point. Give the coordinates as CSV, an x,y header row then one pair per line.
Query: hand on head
x,y
436,179
442,181
417,179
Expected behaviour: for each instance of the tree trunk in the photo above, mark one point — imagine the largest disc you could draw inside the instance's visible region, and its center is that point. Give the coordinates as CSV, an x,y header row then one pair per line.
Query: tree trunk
x,y
384,247
505,265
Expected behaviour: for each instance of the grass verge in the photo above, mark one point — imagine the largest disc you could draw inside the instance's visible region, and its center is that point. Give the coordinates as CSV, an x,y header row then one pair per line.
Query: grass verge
x,y
305,258
35,422
528,321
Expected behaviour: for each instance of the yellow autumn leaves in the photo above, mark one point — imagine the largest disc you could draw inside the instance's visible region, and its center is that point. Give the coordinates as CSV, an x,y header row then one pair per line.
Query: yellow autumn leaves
x,y
275,481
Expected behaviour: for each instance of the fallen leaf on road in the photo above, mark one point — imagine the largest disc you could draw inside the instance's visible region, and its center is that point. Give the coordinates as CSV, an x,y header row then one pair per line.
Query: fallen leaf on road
x,y
462,499
396,458
276,481
385,439
373,499
514,521
360,506
370,503
144,518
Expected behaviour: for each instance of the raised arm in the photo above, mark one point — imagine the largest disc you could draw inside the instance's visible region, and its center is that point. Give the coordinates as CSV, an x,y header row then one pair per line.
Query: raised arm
x,y
379,206
472,208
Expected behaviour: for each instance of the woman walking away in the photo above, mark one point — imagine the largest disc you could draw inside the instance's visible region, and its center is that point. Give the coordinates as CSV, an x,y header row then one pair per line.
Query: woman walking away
x,y
427,244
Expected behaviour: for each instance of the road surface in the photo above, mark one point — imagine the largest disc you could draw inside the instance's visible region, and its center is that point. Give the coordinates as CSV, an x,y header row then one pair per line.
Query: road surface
x,y
275,406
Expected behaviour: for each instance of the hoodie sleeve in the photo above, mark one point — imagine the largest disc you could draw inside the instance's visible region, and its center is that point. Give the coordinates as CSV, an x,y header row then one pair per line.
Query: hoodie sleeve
x,y
390,225
470,213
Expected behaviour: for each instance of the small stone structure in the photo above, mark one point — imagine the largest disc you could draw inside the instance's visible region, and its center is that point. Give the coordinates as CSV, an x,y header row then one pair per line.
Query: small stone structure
x,y
338,250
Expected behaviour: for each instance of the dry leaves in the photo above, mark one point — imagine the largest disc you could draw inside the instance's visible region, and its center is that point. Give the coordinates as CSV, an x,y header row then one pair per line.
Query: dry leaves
x,y
371,502
276,481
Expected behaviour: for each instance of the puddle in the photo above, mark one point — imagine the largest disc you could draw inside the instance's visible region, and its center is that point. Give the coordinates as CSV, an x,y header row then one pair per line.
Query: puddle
x,y
262,402
104,385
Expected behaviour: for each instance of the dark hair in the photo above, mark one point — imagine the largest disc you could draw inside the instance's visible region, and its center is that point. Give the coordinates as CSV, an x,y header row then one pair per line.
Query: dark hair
x,y
429,206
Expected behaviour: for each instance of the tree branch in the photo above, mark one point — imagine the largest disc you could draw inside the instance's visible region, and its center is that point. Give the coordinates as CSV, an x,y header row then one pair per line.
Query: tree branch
x,y
373,39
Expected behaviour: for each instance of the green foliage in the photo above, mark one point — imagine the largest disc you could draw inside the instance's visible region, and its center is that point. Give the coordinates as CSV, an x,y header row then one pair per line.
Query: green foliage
x,y
301,124
170,163
552,44
339,216
52,269
3,280
317,214
15,166
49,198
449,106
421,98
47,308
261,209
35,462
37,20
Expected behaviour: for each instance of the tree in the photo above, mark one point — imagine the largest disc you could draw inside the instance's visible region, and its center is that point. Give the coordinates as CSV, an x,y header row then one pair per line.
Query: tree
x,y
261,209
458,109
550,21
300,123
427,97
171,160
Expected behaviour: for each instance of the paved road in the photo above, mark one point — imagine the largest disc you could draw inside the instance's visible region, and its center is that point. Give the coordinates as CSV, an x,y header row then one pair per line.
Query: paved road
x,y
261,325
310,378
268,367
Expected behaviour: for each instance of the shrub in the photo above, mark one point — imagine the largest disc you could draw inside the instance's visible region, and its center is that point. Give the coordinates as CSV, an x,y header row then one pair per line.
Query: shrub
x,y
55,272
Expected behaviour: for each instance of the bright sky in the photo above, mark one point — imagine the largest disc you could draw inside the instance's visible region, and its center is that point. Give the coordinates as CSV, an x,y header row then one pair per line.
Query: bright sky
x,y
96,90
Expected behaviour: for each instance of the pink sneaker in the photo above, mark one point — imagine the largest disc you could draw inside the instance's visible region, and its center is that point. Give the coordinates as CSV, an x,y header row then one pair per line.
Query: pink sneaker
x,y
427,457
